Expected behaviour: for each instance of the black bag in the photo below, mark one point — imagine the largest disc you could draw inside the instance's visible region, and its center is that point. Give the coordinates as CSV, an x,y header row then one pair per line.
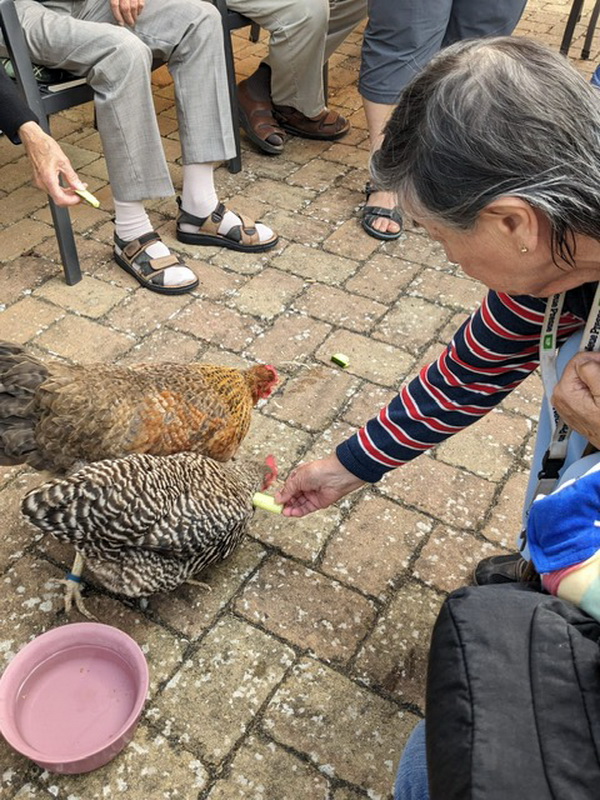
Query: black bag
x,y
513,698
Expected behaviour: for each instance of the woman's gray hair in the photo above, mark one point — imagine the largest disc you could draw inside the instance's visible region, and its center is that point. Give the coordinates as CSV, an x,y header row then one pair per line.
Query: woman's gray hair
x,y
494,117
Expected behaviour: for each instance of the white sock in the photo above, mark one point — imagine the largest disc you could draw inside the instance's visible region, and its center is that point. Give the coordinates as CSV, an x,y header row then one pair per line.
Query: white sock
x,y
131,222
199,197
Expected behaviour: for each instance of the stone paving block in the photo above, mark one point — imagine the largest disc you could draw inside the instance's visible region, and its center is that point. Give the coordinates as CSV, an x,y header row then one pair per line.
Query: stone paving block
x,y
446,334
448,559
346,155
144,312
335,203
17,535
307,609
411,324
279,195
149,767
348,731
242,263
366,403
313,398
165,344
293,338
31,598
216,324
454,496
487,447
318,174
262,770
339,307
267,295
383,278
16,174
26,318
21,237
347,794
83,340
450,290
421,250
22,202
301,538
297,226
394,656
345,241
505,521
211,701
375,361
90,297
374,544
29,792
300,151
192,609
312,263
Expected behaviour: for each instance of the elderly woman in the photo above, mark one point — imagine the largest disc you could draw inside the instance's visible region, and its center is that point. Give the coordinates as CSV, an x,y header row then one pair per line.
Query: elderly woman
x,y
494,149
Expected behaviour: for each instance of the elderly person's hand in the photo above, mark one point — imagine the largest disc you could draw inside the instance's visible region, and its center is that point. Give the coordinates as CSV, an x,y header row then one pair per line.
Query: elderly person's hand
x,y
126,11
48,163
316,485
577,396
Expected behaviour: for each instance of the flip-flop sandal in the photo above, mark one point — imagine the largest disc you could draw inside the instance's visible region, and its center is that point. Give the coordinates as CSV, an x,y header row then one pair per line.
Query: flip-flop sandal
x,y
370,213
243,237
150,272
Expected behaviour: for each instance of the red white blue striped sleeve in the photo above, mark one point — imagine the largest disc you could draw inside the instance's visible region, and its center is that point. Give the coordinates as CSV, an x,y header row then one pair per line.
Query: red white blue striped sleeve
x,y
491,353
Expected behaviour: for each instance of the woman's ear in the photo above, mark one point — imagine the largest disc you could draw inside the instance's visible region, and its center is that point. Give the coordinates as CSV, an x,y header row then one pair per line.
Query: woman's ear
x,y
515,221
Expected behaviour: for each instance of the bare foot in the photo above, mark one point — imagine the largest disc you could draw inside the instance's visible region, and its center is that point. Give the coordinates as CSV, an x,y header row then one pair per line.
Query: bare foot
x,y
385,200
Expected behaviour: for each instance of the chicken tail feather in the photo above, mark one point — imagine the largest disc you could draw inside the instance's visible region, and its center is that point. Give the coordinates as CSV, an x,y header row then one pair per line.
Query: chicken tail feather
x,y
20,377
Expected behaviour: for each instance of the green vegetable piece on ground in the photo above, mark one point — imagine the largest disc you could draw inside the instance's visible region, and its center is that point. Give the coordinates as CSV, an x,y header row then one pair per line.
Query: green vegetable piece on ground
x,y
340,359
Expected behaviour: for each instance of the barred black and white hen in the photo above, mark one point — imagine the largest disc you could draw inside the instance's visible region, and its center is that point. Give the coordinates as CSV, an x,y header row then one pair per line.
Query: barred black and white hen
x,y
145,524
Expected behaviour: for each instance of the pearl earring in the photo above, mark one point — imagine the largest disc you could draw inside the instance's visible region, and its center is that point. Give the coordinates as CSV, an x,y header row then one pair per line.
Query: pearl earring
x,y
524,249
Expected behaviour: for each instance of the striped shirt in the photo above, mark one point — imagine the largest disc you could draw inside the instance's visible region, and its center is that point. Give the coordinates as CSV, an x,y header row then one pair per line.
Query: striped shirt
x,y
495,349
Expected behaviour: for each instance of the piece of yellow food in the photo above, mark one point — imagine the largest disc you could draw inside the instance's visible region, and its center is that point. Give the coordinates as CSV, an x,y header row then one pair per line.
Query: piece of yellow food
x,y
88,197
266,502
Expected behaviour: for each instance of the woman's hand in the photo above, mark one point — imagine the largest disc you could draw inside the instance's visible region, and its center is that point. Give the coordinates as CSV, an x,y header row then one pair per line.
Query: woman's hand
x,y
316,485
126,12
577,396
48,163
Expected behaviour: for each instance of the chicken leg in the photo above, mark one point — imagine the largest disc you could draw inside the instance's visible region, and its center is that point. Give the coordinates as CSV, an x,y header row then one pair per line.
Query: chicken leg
x,y
73,590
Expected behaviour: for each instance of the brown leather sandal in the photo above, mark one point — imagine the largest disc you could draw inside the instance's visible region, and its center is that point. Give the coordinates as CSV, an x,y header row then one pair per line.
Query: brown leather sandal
x,y
326,125
150,272
243,237
256,111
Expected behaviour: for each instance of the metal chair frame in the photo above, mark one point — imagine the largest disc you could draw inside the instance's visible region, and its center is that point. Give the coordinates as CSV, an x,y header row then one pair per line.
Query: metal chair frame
x,y
573,19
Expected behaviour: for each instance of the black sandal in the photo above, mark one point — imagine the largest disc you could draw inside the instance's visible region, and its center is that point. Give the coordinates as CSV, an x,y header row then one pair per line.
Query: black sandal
x,y
370,213
243,237
150,272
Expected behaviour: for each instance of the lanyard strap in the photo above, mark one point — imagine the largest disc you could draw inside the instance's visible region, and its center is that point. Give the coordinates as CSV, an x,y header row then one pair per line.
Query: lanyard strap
x,y
555,455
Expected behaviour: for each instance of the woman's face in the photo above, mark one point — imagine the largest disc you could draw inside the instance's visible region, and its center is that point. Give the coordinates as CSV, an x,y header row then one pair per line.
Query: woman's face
x,y
485,254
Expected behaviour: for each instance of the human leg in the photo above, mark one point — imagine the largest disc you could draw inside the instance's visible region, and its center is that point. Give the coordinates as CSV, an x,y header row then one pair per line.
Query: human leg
x,y
471,19
411,779
400,38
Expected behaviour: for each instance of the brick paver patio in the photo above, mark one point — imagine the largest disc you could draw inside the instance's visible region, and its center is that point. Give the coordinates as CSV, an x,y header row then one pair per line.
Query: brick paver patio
x,y
301,674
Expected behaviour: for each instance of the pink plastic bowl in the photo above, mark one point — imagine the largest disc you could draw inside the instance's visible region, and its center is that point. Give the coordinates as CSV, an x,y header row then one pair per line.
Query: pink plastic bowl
x,y
71,699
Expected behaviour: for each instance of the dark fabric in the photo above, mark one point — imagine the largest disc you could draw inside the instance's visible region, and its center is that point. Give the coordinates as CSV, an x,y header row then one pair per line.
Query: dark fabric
x,y
13,109
513,698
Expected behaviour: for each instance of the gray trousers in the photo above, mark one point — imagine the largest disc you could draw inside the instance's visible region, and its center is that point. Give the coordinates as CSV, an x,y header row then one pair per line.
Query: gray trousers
x,y
304,34
403,35
82,36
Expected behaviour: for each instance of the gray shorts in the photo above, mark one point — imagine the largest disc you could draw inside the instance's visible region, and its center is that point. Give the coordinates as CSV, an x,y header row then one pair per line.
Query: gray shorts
x,y
403,35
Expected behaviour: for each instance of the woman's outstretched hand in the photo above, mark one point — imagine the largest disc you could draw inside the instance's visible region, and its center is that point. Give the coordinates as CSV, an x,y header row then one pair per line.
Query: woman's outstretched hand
x,y
316,485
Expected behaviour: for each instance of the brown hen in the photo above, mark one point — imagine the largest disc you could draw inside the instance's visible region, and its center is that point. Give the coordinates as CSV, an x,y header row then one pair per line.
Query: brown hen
x,y
53,415
145,524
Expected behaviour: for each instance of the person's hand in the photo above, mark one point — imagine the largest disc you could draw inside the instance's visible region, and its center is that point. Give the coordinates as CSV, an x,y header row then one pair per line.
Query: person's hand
x,y
126,11
577,396
48,163
316,485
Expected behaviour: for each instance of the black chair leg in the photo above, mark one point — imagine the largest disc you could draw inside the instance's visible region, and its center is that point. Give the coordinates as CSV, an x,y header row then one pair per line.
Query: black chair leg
x,y
574,16
66,243
587,45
